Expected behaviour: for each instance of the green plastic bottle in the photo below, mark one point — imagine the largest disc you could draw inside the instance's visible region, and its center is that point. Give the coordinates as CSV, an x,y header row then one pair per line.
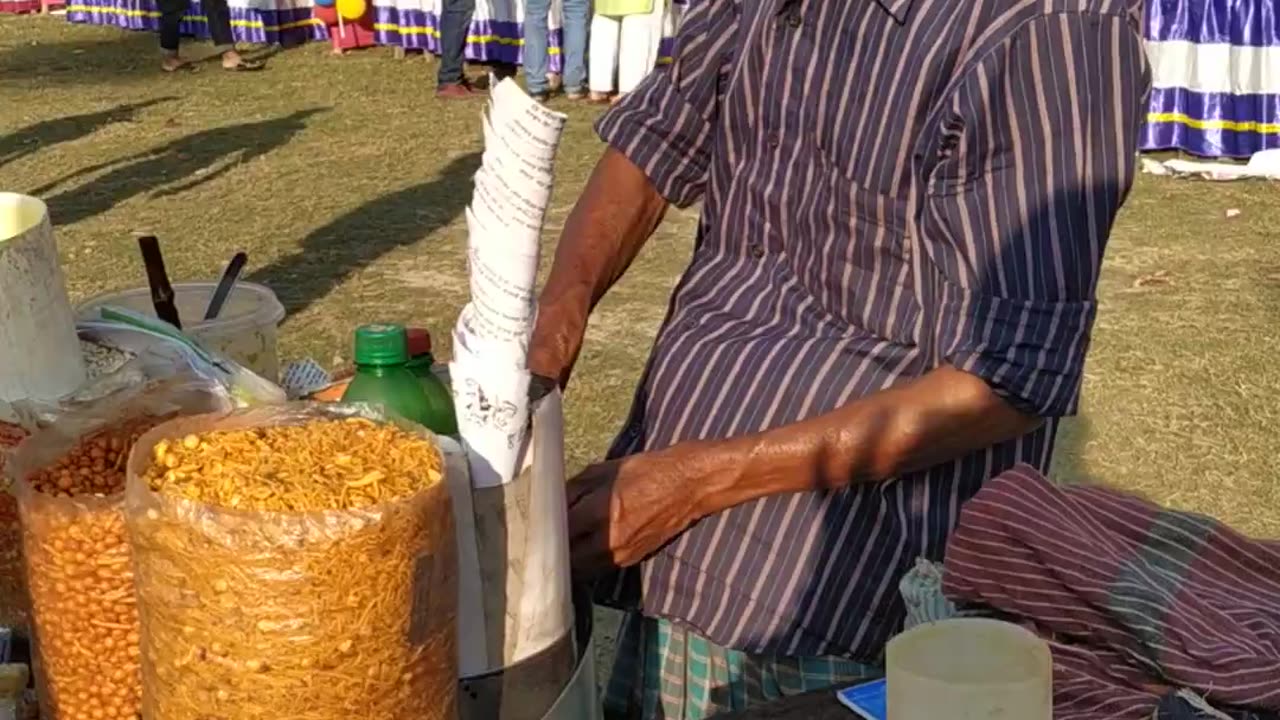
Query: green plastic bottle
x,y
444,419
383,376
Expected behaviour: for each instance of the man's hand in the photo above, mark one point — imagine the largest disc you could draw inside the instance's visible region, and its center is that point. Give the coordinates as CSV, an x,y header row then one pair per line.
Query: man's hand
x,y
622,511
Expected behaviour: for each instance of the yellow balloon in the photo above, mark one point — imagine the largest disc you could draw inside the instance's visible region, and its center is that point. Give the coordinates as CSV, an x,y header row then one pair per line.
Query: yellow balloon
x,y
352,9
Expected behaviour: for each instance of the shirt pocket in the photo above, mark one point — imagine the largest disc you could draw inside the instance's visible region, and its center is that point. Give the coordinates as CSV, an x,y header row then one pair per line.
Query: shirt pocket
x,y
850,252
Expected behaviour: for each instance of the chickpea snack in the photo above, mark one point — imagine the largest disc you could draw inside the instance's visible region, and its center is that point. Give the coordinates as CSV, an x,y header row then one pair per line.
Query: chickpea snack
x,y
295,561
69,480
13,588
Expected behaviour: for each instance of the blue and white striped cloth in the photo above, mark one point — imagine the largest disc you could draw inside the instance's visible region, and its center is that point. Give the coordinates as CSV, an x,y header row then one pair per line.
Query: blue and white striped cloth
x,y
495,35
1215,68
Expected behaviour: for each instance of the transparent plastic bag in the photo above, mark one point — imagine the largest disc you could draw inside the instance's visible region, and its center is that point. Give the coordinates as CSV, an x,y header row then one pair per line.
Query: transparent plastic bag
x,y
13,686
14,609
83,614
159,353
160,349
256,615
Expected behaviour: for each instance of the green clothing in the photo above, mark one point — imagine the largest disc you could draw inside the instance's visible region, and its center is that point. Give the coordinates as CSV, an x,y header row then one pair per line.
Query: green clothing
x,y
618,8
665,672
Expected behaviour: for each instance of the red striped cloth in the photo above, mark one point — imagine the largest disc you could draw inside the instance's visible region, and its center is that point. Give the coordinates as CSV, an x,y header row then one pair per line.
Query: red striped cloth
x,y
1135,599
22,7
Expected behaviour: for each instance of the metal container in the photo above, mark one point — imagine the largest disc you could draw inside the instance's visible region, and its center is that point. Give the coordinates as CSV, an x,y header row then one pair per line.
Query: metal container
x,y
535,688
549,674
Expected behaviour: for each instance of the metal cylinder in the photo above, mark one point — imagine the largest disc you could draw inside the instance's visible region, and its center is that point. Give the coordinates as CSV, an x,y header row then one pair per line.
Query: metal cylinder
x,y
537,688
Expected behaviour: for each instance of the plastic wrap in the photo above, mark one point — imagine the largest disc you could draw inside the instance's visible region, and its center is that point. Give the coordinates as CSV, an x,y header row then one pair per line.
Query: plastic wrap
x,y
156,354
13,686
255,615
84,620
13,593
160,350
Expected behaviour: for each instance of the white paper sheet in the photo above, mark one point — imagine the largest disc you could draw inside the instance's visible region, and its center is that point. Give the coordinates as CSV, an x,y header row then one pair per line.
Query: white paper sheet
x,y
520,536
502,280
547,613
534,172
504,224
472,627
511,109
493,416
509,208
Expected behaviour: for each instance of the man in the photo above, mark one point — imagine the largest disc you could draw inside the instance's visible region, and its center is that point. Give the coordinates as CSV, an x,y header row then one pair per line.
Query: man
x,y
905,205
218,19
575,19
455,26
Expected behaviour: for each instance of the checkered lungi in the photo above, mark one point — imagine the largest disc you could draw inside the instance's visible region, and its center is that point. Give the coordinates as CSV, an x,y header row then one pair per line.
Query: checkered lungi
x,y
666,672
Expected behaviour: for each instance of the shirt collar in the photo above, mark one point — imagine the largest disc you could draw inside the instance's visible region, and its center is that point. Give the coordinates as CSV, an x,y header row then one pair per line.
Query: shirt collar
x,y
897,8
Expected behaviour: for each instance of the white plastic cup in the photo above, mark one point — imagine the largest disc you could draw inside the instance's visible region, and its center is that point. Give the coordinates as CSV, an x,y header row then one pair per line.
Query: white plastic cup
x,y
969,669
40,355
245,330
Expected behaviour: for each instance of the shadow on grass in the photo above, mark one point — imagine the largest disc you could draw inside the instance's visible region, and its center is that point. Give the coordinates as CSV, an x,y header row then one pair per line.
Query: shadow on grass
x,y
47,133
355,240
171,169
84,62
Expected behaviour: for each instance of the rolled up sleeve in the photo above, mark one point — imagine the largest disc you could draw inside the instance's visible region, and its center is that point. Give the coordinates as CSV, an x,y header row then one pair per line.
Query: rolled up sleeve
x,y
667,125
1035,153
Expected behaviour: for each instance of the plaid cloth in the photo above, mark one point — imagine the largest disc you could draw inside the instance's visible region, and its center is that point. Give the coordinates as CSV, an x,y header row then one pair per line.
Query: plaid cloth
x,y
1137,601
666,672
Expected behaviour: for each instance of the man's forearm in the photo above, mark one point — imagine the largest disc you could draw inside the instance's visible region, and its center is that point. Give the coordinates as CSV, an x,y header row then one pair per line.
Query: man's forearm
x,y
942,416
617,212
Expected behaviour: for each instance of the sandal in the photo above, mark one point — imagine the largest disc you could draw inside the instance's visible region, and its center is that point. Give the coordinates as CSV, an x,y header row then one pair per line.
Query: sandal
x,y
245,66
183,67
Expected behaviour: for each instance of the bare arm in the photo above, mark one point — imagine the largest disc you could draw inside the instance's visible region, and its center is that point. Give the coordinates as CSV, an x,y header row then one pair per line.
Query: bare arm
x,y
660,141
648,499
944,415
618,211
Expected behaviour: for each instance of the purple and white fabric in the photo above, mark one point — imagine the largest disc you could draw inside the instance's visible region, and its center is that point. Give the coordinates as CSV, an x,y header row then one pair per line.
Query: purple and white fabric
x,y
1216,76
495,36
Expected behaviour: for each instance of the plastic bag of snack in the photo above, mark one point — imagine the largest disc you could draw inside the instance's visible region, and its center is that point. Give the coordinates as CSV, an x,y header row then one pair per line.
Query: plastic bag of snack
x,y
69,480
294,562
13,593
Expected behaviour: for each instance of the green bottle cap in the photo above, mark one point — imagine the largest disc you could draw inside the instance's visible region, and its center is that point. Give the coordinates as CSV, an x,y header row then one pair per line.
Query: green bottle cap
x,y
381,345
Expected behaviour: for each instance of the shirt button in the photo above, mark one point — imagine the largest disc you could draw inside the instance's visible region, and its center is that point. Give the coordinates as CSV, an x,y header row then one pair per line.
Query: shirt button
x,y
756,250
774,140
794,20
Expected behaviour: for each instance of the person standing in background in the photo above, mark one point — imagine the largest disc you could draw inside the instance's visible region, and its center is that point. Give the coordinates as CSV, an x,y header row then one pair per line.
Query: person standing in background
x,y
575,16
625,35
455,25
218,18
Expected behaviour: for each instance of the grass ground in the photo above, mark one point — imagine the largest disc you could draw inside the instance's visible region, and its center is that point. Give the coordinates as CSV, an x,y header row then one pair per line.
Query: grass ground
x,y
345,181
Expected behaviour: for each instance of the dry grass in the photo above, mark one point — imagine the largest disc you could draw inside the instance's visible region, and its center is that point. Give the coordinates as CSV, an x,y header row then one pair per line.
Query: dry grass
x,y
345,180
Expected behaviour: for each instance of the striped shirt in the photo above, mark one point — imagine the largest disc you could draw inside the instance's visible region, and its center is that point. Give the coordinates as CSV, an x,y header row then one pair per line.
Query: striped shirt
x,y
887,186
1137,601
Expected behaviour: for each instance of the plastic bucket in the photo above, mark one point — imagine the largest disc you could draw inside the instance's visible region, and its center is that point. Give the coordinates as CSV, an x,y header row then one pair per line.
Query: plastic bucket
x,y
244,331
